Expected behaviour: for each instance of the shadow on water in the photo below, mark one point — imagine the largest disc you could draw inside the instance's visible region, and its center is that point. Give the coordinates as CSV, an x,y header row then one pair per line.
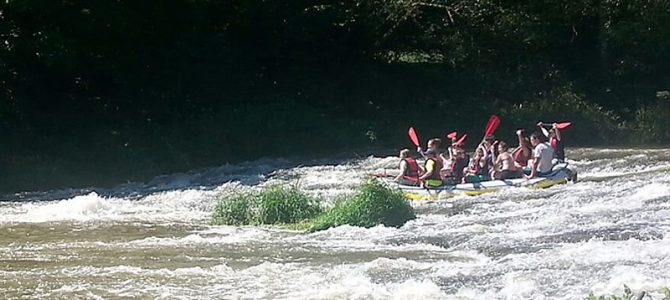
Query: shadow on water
x,y
246,173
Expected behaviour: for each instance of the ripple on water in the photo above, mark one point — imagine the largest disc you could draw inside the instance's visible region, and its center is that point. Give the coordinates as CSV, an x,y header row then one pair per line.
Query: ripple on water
x,y
559,243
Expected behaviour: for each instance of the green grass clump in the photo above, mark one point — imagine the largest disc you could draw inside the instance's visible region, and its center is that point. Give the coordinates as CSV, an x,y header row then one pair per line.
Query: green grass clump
x,y
372,204
275,204
234,210
284,204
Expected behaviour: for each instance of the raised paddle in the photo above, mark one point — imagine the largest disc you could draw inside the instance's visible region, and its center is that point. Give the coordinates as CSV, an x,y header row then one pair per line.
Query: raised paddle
x,y
561,126
461,140
492,125
413,137
452,135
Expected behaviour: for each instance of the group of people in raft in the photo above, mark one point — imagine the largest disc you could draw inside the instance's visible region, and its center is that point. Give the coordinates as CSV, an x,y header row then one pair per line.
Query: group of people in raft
x,y
533,157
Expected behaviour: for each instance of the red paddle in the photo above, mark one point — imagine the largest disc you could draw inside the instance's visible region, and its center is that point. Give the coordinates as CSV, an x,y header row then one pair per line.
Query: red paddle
x,y
561,126
492,125
413,137
452,134
461,140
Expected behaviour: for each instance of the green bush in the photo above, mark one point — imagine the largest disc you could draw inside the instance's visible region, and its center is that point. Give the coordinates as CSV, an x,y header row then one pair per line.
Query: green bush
x,y
652,123
591,122
234,210
284,204
372,204
275,204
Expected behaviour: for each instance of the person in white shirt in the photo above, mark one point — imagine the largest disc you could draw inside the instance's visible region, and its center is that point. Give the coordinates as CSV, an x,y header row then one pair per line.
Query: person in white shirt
x,y
543,153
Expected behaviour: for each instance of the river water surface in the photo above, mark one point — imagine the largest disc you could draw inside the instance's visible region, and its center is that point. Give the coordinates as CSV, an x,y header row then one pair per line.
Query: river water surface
x,y
155,240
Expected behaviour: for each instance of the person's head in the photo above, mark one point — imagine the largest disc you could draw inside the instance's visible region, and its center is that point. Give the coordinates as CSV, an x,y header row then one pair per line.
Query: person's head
x,y
460,152
434,143
480,152
502,146
404,153
535,138
489,139
552,132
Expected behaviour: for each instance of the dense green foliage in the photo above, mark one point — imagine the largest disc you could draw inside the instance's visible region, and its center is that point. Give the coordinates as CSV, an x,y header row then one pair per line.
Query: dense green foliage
x,y
275,204
235,210
372,204
147,89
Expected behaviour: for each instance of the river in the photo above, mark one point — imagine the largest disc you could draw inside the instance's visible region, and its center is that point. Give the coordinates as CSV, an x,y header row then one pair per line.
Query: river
x,y
154,240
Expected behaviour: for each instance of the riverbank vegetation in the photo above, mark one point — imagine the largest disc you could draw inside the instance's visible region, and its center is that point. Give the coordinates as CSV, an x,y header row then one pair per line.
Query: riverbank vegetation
x,y
105,92
372,204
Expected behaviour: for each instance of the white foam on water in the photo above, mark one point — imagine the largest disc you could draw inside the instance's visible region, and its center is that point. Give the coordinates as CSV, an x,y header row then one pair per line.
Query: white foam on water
x,y
651,191
557,243
80,208
518,285
221,236
173,206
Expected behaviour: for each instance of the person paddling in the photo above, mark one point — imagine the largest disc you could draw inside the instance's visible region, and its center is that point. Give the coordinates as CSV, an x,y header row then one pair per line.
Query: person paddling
x,y
479,168
433,165
451,150
458,167
523,151
555,140
542,156
487,147
409,169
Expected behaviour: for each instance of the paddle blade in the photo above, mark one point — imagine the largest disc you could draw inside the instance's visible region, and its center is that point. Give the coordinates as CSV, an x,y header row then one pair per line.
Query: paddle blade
x,y
452,134
413,137
563,125
492,125
461,140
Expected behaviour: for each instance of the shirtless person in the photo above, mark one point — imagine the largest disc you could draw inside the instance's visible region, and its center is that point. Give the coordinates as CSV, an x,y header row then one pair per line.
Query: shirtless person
x,y
503,163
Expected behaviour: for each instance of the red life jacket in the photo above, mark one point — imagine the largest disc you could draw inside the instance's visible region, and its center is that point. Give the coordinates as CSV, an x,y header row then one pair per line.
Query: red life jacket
x,y
519,157
554,143
412,168
559,149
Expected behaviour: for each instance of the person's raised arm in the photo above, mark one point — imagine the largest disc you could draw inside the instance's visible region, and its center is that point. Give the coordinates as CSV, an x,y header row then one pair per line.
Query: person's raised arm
x,y
494,155
557,132
544,130
519,135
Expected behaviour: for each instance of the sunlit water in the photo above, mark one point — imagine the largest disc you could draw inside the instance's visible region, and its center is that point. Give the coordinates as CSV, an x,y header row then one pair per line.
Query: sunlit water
x,y
155,240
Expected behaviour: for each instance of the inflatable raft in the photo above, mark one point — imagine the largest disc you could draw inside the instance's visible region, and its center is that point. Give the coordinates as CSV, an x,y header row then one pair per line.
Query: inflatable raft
x,y
560,174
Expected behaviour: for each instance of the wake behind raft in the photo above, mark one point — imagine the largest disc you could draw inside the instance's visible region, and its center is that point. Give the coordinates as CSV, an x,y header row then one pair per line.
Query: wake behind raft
x,y
560,174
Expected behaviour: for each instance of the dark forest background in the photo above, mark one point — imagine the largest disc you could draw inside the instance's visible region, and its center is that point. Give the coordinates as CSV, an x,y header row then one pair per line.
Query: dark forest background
x,y
109,91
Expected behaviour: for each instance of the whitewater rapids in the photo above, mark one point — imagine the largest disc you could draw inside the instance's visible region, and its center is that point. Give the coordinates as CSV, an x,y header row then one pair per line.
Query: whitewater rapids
x,y
154,240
